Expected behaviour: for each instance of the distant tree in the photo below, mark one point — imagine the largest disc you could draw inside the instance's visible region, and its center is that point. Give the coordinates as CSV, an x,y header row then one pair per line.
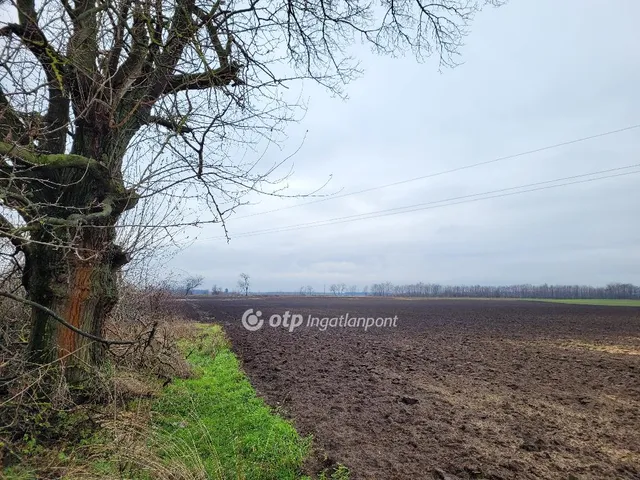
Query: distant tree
x,y
215,290
335,289
365,290
243,283
353,289
306,290
612,291
190,283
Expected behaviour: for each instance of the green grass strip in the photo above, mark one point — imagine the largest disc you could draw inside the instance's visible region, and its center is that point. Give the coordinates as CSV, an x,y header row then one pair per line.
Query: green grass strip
x,y
595,301
216,423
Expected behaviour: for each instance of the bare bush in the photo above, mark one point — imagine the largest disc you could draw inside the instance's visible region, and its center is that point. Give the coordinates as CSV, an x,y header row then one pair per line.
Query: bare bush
x,y
154,316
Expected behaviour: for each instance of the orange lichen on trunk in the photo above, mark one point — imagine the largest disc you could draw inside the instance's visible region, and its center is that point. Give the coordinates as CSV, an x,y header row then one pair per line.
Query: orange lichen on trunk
x,y
74,309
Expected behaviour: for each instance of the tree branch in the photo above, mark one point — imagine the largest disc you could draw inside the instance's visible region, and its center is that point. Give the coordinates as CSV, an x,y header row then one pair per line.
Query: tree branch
x,y
212,30
113,57
53,64
180,34
25,155
78,219
199,81
132,66
61,320
169,124
11,127
8,229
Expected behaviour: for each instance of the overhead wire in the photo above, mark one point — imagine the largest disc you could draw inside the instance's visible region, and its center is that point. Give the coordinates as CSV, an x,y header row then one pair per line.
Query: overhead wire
x,y
475,197
446,172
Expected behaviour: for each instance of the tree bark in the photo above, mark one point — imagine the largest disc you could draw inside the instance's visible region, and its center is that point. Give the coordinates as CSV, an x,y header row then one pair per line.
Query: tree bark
x,y
80,285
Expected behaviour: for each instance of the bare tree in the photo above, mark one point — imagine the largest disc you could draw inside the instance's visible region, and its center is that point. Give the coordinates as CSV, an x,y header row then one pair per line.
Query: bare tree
x,y
308,290
191,283
244,283
106,106
338,288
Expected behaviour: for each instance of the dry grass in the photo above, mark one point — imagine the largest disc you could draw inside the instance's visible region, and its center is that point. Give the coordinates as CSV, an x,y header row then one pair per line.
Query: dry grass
x,y
42,421
125,448
155,317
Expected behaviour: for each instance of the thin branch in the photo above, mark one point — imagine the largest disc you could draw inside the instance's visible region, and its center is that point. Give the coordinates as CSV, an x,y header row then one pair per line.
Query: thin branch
x,y
7,230
62,321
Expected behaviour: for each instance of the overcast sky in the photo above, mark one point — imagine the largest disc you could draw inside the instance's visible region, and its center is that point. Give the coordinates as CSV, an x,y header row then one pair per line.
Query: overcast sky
x,y
535,73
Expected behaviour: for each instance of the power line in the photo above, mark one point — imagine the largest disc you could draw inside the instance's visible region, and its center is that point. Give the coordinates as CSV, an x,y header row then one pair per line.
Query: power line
x,y
445,172
430,205
503,192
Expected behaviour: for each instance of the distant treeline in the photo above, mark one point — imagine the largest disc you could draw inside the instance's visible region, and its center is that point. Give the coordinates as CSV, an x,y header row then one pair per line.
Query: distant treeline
x,y
611,291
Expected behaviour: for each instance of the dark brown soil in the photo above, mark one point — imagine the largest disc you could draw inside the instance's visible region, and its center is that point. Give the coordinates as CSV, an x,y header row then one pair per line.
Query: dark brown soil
x,y
471,389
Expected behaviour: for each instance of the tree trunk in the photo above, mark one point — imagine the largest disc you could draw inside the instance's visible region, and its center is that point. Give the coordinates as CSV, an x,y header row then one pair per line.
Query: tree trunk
x,y
80,285
72,264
